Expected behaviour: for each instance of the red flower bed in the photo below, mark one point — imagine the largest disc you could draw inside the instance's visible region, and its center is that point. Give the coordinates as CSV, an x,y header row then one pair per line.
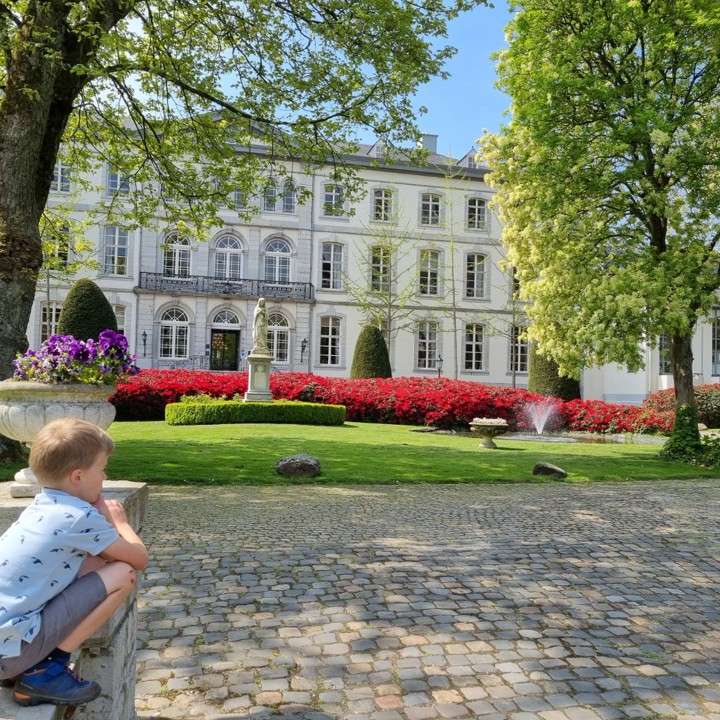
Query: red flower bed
x,y
707,397
439,402
595,416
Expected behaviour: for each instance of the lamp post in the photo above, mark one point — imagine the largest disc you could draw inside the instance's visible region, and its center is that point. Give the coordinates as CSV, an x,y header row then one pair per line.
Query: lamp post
x,y
439,364
144,341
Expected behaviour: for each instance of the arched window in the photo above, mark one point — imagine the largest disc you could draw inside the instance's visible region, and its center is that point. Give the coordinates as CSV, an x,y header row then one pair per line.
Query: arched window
x,y
277,261
278,335
174,334
228,258
176,262
226,317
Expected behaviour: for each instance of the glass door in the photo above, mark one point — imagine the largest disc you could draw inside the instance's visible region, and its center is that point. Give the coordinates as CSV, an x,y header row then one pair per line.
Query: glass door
x,y
224,349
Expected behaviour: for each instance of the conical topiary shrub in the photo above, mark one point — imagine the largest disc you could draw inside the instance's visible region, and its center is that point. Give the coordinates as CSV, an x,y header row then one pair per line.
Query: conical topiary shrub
x,y
86,312
371,358
544,378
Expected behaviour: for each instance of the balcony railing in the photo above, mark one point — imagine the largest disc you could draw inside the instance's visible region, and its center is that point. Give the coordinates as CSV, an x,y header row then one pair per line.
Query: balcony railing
x,y
241,287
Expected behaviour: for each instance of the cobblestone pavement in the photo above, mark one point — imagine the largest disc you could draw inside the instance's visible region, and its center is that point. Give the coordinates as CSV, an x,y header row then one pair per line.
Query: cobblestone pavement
x,y
525,602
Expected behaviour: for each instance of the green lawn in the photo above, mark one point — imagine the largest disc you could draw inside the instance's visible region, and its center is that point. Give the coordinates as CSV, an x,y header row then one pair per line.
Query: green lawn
x,y
362,453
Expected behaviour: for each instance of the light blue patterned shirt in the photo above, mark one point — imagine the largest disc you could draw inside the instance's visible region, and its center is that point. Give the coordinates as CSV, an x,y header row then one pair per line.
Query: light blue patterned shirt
x,y
40,555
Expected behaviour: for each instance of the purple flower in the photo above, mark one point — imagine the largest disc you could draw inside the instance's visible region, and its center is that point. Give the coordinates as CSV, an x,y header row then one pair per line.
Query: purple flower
x,y
63,359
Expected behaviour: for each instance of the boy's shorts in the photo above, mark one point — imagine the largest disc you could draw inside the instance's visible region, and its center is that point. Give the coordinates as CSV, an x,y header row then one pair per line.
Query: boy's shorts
x,y
58,619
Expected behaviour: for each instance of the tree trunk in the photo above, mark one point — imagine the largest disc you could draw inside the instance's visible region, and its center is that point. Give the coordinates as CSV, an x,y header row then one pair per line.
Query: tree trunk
x,y
682,364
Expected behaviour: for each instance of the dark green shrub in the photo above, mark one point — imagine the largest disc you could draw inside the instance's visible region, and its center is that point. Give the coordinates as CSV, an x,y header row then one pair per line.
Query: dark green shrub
x,y
544,378
371,358
220,412
684,443
86,312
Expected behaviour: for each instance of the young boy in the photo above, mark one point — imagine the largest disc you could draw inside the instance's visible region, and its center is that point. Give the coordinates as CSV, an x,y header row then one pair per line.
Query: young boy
x,y
65,566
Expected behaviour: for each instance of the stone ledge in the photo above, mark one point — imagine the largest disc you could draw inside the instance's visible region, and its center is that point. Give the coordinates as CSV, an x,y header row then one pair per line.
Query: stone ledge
x,y
134,497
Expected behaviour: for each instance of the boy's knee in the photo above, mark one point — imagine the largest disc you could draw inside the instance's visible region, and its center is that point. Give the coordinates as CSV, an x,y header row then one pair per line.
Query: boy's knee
x,y
119,576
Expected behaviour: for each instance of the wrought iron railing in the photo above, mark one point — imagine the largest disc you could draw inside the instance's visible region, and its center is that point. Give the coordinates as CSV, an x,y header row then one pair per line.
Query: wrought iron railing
x,y
241,287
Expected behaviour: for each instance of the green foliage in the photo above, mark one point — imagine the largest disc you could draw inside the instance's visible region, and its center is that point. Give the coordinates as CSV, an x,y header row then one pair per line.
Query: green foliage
x,y
608,174
216,412
371,358
545,379
86,312
684,443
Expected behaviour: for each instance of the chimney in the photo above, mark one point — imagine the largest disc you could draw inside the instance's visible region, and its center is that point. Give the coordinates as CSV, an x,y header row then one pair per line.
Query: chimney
x,y
429,142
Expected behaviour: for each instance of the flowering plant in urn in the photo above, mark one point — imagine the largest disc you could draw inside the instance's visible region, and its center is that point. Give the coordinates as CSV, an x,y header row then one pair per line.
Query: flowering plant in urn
x,y
488,428
63,359
64,377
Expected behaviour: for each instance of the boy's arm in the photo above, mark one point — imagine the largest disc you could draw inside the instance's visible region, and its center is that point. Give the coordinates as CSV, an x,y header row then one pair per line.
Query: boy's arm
x,y
128,547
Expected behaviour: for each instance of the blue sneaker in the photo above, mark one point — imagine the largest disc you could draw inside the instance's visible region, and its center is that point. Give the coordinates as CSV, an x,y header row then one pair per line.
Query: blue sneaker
x,y
53,682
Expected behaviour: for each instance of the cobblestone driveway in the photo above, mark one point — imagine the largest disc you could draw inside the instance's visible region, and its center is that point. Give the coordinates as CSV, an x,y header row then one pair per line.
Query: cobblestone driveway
x,y
525,602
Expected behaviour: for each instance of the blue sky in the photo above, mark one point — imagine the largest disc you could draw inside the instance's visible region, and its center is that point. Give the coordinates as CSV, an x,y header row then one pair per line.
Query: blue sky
x,y
460,107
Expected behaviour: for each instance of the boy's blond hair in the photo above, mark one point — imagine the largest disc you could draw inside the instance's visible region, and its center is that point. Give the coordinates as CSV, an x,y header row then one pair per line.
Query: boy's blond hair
x,y
64,445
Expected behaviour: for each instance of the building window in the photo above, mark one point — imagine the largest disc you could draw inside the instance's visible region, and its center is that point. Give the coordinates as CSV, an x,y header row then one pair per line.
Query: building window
x,y
334,200
382,205
716,346
429,272
430,209
228,258
519,350
476,213
475,276
277,261
226,317
174,334
238,199
49,319
665,366
56,248
115,240
176,261
289,198
61,178
329,341
427,345
270,197
278,337
474,345
332,265
117,183
120,311
380,259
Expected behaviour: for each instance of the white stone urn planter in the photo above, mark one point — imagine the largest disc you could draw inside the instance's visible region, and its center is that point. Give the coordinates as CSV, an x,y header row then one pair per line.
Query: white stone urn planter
x,y
25,407
487,430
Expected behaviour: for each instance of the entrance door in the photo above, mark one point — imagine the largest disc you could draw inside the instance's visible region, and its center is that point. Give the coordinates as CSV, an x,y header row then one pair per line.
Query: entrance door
x,y
224,349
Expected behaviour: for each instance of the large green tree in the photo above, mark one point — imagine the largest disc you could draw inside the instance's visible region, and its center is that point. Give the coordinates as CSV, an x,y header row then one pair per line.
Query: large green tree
x,y
608,175
175,90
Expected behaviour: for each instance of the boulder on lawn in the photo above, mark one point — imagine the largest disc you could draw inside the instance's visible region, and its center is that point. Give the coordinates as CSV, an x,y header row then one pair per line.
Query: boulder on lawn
x,y
298,466
546,468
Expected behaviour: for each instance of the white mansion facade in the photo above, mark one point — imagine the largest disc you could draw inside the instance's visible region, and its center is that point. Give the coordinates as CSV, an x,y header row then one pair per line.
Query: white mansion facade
x,y
422,247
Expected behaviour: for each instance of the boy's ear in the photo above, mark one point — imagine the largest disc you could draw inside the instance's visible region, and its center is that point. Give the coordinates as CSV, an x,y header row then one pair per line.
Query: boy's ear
x,y
76,476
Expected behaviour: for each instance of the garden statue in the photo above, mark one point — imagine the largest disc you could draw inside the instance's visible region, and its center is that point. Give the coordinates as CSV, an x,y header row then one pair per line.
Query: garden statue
x,y
260,325
259,358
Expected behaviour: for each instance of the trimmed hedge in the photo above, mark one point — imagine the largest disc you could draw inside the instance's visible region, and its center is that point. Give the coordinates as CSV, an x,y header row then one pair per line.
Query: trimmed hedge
x,y
86,312
545,379
371,359
221,412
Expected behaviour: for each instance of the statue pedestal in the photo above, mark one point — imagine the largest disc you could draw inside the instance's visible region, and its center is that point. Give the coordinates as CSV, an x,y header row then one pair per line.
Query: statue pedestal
x,y
258,377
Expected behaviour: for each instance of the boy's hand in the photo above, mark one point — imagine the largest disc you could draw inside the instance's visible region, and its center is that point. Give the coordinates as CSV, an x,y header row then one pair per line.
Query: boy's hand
x,y
101,506
112,510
